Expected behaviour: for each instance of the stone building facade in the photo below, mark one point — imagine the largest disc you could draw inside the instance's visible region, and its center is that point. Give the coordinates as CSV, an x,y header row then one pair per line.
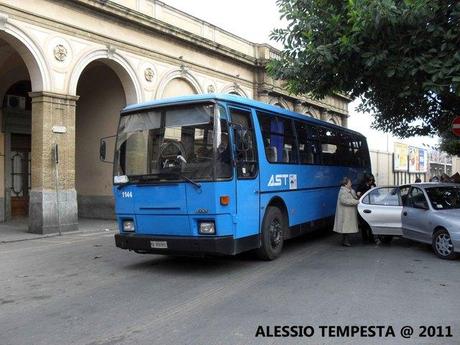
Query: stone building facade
x,y
68,67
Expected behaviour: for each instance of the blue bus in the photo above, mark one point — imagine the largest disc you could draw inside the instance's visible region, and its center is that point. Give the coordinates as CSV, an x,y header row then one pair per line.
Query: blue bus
x,y
222,174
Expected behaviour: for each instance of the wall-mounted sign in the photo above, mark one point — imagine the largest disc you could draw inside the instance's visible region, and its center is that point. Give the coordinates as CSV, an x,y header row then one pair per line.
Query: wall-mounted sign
x,y
59,129
410,158
418,160
400,157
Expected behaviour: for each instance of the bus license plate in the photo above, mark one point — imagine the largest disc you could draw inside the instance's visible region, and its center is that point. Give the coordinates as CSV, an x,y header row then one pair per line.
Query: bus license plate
x,y
159,244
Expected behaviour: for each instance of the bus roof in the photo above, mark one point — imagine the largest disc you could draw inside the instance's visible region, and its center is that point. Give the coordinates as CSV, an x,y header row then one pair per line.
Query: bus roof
x,y
234,99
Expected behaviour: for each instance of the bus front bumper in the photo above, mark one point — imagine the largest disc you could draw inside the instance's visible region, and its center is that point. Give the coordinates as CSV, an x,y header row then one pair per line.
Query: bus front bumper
x,y
224,245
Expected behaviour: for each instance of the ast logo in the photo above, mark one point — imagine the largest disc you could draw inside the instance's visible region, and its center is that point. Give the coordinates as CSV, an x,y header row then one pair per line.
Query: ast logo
x,y
279,180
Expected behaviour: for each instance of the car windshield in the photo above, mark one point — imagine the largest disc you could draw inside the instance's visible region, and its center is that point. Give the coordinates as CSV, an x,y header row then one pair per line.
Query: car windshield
x,y
442,198
174,143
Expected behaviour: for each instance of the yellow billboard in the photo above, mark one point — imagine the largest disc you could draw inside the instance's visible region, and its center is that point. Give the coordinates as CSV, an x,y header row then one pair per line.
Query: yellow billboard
x,y
400,161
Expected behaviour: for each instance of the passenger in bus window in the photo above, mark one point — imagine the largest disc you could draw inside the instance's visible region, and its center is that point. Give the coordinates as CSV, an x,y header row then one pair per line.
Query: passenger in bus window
x,y
346,216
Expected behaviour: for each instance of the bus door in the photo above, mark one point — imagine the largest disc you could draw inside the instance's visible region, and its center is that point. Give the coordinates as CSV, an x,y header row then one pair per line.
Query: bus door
x,y
247,172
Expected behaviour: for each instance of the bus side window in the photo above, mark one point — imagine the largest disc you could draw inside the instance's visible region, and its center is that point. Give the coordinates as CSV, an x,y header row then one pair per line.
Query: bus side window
x,y
314,142
279,139
345,154
245,147
361,155
309,148
329,147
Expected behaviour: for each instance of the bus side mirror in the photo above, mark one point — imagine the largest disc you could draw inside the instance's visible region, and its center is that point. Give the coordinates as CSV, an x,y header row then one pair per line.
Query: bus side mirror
x,y
103,143
102,150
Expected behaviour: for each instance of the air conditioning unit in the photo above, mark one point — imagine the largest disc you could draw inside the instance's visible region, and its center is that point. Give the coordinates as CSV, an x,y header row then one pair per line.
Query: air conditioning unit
x,y
14,102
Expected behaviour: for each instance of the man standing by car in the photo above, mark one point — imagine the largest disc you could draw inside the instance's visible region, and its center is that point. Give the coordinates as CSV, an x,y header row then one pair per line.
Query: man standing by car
x,y
367,183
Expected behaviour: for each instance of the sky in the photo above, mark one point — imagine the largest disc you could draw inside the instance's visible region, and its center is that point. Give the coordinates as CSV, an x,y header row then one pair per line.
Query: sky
x,y
249,19
253,20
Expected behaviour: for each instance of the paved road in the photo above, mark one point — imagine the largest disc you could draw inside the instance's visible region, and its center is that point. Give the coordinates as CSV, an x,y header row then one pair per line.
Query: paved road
x,y
80,289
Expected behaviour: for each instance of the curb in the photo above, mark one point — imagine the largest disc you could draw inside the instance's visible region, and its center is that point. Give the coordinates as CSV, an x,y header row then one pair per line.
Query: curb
x,y
52,235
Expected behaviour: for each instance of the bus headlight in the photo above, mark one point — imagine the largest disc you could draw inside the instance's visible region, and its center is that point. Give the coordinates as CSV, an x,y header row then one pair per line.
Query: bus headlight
x,y
128,225
207,228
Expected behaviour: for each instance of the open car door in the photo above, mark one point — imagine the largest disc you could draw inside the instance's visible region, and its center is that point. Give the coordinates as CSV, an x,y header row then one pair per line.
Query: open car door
x,y
381,208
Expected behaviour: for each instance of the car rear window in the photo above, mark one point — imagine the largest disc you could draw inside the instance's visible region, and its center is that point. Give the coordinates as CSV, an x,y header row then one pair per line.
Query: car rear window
x,y
442,198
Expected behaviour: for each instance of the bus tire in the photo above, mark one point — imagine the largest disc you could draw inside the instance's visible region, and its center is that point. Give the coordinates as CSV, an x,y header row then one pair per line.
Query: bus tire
x,y
272,236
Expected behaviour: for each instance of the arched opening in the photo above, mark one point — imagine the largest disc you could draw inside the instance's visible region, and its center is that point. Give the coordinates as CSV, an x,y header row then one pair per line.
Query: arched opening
x,y
279,102
101,97
16,110
234,89
124,71
17,65
178,87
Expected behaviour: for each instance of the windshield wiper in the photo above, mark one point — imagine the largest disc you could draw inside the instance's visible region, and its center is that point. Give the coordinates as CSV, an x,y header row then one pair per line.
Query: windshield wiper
x,y
182,176
196,184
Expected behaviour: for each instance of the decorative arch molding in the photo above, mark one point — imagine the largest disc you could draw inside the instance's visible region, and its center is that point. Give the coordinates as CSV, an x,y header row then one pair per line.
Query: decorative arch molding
x,y
316,113
29,51
178,74
122,68
333,120
234,89
305,110
278,101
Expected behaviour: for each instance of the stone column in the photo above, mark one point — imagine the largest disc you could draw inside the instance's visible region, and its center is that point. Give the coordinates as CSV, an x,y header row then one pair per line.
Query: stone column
x,y
49,110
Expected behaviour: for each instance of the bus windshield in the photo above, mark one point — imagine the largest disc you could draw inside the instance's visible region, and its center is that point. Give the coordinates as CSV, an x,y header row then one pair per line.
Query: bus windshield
x,y
174,143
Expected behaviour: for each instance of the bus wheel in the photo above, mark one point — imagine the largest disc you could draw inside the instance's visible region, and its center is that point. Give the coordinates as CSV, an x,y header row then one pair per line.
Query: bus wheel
x,y
272,234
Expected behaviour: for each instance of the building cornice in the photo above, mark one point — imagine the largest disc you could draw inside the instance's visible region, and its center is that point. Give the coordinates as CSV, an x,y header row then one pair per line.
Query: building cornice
x,y
280,92
140,20
51,24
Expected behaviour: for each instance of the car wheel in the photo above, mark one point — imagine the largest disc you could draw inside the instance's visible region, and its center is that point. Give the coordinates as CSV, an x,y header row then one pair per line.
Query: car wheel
x,y
442,245
273,227
385,239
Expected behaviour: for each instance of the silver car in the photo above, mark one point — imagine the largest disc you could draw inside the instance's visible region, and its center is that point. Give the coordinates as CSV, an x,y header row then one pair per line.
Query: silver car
x,y
423,212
